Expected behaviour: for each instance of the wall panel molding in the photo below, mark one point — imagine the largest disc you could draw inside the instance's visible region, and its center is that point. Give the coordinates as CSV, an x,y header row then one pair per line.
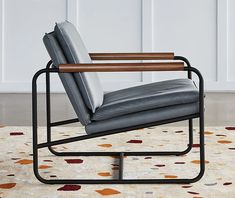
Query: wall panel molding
x,y
22,52
72,11
222,41
148,35
2,27
231,40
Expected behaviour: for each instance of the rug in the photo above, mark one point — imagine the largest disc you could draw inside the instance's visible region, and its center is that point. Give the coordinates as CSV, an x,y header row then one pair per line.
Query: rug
x,y
17,179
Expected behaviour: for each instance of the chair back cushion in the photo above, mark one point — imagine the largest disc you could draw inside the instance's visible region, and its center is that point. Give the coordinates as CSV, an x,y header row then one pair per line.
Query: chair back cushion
x,y
67,79
76,52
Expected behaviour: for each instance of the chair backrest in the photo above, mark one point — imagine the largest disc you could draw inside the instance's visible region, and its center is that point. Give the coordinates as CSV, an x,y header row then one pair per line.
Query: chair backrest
x,y
84,89
68,80
76,52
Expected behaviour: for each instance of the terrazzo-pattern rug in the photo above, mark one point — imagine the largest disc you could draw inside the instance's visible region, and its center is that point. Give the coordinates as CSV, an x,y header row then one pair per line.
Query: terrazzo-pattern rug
x,y
17,179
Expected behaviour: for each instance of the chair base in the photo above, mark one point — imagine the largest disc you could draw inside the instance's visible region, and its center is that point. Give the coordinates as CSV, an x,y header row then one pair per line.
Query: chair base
x,y
120,155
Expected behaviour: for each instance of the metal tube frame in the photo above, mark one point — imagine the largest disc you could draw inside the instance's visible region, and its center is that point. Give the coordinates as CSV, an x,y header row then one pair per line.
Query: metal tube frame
x,y
120,180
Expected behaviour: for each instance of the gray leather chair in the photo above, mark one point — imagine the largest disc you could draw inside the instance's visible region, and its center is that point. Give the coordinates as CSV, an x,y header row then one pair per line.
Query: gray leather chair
x,y
119,111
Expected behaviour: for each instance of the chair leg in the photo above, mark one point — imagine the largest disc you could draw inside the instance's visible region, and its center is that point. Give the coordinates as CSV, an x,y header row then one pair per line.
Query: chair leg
x,y
190,136
202,147
48,109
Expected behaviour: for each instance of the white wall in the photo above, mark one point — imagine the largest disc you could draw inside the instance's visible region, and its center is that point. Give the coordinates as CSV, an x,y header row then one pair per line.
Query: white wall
x,y
202,30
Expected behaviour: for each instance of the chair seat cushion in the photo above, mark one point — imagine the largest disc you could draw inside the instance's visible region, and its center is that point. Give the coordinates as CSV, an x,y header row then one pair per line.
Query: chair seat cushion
x,y
143,118
147,97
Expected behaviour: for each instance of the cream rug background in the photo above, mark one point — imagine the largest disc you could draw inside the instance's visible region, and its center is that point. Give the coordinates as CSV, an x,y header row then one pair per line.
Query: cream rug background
x,y
17,179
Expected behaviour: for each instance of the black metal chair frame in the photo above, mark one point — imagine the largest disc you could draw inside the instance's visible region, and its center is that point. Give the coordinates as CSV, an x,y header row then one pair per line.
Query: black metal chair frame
x,y
120,180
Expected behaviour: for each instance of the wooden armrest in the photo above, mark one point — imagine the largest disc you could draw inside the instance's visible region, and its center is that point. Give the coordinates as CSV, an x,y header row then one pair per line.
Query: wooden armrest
x,y
122,67
132,56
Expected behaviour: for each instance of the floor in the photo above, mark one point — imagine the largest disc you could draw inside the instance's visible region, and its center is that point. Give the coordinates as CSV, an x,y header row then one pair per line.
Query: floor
x,y
15,109
16,164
